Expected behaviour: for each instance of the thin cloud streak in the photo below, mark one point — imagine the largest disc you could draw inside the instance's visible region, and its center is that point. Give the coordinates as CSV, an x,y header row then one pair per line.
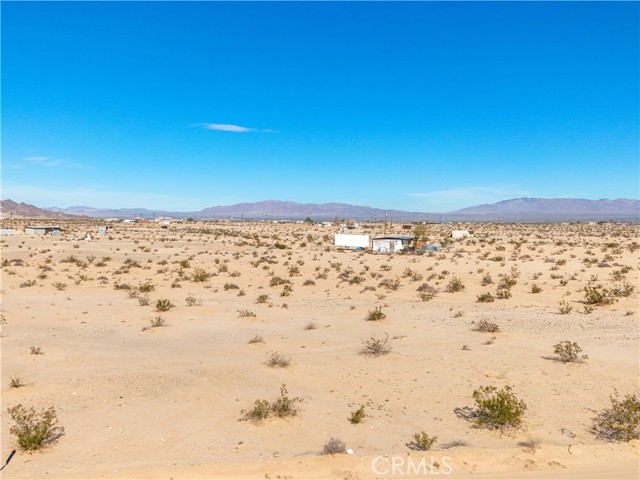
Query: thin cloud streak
x,y
228,127
43,161
455,198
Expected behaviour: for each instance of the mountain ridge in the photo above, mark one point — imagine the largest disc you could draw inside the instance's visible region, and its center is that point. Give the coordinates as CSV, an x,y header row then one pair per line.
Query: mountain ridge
x,y
524,209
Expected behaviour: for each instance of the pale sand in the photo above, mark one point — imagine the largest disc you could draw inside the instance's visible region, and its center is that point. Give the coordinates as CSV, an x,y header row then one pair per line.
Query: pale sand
x,y
166,402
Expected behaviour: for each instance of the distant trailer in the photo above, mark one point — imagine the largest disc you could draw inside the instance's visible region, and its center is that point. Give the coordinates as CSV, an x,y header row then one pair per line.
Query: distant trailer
x,y
460,234
392,244
42,230
345,240
6,231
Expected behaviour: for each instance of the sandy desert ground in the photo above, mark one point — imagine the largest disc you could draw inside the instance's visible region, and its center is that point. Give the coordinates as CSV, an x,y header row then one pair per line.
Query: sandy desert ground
x,y
138,401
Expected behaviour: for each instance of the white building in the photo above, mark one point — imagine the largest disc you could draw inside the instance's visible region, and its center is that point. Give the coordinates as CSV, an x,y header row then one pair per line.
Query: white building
x,y
349,240
460,234
391,244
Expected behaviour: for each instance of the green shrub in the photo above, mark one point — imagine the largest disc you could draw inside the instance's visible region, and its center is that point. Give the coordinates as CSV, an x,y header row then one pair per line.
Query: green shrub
x,y
597,295
498,408
163,305
485,298
454,285
200,275
621,422
283,406
564,307
276,359
262,298
357,416
568,352
486,327
422,442
33,429
376,314
376,347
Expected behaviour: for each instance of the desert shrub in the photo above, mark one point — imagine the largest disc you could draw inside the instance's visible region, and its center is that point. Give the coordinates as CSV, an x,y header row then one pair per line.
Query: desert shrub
x,y
33,429
390,284
487,280
486,327
535,288
144,300
485,298
262,298
15,382
308,283
425,297
568,352
622,289
158,321
426,288
36,351
60,286
260,411
333,446
286,290
376,314
256,339
503,293
230,286
246,313
498,408
310,326
620,422
200,275
163,305
146,287
454,285
506,282
357,416
276,359
284,406
597,295
191,301
564,307
422,442
376,347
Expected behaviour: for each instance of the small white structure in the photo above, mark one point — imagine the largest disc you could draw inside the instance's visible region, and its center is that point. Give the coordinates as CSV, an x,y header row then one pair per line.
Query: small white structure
x,y
460,233
6,231
350,240
42,230
391,244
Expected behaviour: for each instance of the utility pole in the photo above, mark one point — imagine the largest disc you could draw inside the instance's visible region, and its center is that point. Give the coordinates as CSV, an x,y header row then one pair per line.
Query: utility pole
x,y
385,223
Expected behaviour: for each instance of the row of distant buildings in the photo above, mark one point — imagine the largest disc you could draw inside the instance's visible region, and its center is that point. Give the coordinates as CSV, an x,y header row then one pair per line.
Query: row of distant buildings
x,y
387,244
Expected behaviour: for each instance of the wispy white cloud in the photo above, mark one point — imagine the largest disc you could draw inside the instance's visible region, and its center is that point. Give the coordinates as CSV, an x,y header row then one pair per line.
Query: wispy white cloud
x,y
43,161
456,198
227,127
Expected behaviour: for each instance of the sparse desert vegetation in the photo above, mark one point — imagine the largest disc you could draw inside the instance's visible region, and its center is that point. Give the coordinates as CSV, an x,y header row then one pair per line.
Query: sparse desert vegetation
x,y
371,342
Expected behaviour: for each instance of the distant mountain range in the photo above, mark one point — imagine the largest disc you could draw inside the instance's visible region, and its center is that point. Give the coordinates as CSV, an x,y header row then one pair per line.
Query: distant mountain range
x,y
514,210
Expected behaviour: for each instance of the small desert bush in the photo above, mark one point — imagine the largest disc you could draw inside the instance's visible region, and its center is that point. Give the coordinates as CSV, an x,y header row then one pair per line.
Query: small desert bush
x,y
620,422
256,339
146,287
200,275
262,298
60,286
568,352
36,351
163,305
333,446
376,347
283,406
564,308
375,314
535,288
422,442
486,327
597,295
357,416
246,313
191,301
454,285
310,326
503,293
15,382
158,322
33,429
276,359
498,408
485,298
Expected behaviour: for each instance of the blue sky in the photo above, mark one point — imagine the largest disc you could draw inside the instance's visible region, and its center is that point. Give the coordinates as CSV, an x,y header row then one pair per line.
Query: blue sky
x,y
416,106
